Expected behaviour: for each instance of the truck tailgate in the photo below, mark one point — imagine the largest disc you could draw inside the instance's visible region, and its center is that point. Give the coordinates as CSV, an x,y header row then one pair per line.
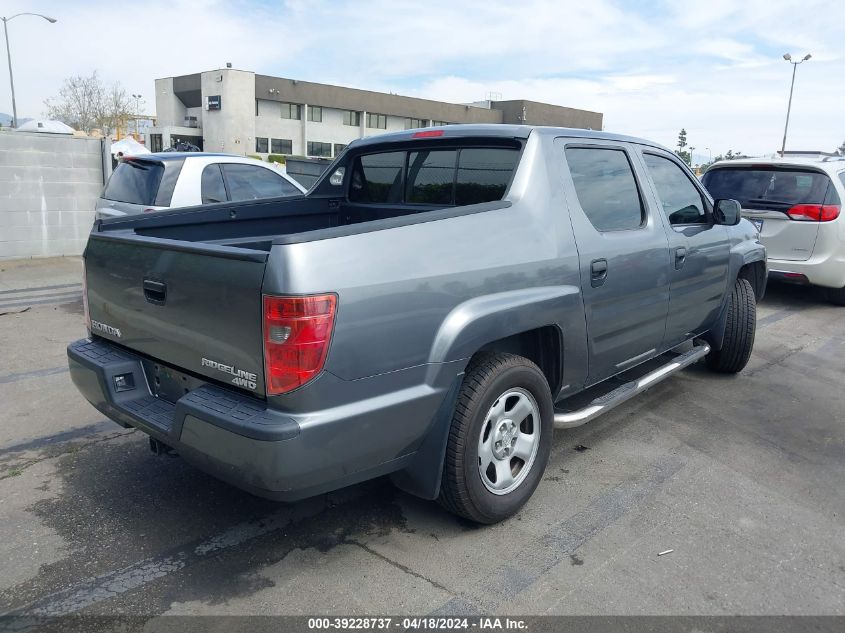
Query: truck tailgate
x,y
194,306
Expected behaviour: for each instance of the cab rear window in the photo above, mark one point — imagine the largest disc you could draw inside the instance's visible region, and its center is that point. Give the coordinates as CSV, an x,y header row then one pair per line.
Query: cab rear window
x,y
756,187
135,182
442,177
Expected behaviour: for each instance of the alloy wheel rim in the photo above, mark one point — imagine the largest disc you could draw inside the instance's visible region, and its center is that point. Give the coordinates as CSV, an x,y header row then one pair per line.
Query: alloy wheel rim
x,y
508,442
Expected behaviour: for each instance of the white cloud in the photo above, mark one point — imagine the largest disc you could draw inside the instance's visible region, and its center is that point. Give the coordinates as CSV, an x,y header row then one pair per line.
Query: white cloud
x,y
713,68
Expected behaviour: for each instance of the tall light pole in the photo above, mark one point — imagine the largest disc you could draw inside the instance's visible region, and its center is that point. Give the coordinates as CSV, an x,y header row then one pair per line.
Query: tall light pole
x,y
788,58
9,57
691,150
137,112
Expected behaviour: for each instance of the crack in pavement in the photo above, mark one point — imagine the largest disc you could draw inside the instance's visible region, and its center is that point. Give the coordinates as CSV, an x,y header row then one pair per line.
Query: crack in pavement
x,y
397,565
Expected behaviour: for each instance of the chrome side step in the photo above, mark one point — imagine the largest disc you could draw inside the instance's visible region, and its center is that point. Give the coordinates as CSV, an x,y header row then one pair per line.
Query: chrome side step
x,y
623,393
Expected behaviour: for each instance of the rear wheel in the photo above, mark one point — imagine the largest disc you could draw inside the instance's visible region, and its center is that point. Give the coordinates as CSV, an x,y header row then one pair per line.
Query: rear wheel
x,y
500,438
739,331
836,295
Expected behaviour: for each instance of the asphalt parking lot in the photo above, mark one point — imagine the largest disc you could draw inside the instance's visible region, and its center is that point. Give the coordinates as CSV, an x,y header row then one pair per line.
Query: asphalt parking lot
x,y
742,477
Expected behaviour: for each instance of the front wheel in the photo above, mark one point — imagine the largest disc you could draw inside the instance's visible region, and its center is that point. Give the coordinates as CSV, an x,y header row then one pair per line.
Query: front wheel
x,y
739,331
500,438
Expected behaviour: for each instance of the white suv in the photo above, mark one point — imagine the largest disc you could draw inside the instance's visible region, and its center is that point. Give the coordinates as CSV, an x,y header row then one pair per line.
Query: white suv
x,y
164,180
796,204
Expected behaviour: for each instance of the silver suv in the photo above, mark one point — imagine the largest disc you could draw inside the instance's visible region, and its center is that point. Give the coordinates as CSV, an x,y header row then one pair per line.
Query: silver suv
x,y
796,204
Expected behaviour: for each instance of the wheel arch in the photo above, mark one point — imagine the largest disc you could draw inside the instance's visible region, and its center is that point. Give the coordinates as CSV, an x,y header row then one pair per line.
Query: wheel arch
x,y
748,261
521,322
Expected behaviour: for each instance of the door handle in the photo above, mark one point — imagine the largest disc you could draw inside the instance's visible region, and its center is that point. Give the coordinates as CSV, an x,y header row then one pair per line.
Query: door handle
x,y
680,257
155,292
598,272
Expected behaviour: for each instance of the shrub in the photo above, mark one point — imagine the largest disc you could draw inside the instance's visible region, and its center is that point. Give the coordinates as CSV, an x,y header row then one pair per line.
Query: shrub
x,y
276,158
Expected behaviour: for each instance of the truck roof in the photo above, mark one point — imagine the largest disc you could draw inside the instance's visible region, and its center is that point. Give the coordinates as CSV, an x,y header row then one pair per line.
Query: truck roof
x,y
502,131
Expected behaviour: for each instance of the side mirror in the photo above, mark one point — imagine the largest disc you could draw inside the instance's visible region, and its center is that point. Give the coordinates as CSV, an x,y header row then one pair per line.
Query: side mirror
x,y
727,212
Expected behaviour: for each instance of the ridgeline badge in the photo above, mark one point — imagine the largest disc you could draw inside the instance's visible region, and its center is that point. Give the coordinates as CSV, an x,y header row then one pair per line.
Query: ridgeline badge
x,y
241,378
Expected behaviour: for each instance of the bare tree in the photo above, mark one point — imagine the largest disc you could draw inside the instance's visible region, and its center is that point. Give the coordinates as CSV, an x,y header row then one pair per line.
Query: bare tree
x,y
116,109
86,103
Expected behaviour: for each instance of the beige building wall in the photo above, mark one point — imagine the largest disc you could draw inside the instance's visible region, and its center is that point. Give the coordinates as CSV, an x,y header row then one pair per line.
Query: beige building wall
x,y
232,128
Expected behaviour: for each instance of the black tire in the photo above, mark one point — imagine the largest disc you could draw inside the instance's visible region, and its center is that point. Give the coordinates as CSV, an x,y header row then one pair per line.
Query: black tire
x,y
739,331
836,296
489,376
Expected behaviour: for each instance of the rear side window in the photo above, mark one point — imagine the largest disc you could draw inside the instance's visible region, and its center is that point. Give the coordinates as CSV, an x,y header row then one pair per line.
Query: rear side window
x,y
135,182
767,187
606,188
248,182
680,199
211,185
442,177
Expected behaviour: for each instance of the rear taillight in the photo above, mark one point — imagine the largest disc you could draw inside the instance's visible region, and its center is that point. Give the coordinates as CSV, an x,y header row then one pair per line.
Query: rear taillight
x,y
85,310
814,212
297,332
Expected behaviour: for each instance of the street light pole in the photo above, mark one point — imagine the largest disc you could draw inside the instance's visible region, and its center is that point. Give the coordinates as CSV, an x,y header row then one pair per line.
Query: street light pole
x,y
137,112
788,58
9,58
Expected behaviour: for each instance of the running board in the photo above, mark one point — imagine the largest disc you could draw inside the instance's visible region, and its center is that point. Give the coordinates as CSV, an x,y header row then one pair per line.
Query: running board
x,y
623,393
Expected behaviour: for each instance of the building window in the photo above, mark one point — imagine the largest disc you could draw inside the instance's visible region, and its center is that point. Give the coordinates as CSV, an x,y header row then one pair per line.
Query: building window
x,y
410,124
440,123
323,150
351,117
261,144
291,111
315,113
281,146
378,121
338,148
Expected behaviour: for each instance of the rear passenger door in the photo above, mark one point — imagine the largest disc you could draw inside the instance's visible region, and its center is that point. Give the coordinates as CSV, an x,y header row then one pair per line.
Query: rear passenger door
x,y
623,256
699,248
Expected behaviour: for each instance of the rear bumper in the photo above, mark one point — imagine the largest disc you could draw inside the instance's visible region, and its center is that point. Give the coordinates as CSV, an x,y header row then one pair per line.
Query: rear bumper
x,y
828,272
239,439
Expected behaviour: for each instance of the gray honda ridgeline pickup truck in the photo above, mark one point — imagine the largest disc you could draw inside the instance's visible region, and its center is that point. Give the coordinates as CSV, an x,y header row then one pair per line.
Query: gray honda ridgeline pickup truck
x,y
433,308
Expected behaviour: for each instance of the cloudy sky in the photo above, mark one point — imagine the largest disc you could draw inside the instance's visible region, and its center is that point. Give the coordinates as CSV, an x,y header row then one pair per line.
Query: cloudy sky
x,y
712,67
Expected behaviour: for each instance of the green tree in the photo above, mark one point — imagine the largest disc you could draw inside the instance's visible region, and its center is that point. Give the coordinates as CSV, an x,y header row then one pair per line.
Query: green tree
x,y
729,155
841,149
682,144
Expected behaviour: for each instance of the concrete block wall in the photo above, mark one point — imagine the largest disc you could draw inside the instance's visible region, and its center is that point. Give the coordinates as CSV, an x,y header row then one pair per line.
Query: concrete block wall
x,y
48,187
